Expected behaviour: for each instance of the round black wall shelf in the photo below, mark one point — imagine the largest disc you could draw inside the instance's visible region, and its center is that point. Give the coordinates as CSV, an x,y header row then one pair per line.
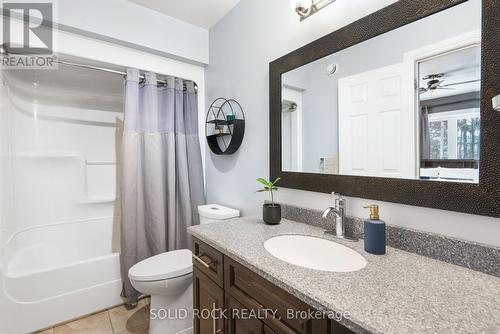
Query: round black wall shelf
x,y
224,126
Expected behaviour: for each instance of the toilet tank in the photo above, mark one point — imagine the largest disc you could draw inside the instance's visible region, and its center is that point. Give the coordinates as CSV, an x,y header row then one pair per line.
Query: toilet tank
x,y
214,212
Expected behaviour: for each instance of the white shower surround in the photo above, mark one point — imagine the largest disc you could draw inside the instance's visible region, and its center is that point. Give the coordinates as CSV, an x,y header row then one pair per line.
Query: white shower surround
x,y
80,272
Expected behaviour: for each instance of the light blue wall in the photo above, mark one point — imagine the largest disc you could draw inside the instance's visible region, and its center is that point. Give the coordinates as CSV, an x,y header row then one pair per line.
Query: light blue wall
x,y
242,44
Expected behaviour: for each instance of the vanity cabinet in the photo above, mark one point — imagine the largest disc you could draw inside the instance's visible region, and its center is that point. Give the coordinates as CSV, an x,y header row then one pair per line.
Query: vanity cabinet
x,y
210,297
234,291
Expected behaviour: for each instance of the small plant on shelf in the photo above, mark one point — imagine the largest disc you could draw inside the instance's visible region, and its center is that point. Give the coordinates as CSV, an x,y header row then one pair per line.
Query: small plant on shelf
x,y
271,211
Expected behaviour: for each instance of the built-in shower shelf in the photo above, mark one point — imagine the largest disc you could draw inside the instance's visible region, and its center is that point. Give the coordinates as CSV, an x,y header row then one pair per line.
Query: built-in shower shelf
x,y
99,163
99,199
82,181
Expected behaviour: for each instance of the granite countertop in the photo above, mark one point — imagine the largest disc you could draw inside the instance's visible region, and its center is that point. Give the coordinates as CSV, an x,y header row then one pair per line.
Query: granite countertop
x,y
399,292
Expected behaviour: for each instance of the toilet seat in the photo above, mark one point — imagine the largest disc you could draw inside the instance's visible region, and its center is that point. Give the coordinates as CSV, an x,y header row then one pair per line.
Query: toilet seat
x,y
163,266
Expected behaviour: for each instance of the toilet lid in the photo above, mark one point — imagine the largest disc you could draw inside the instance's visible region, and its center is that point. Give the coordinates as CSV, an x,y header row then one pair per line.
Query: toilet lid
x,y
163,266
216,211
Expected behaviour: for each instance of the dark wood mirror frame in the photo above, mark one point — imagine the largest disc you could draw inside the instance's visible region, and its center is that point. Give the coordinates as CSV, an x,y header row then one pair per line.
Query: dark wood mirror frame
x,y
481,199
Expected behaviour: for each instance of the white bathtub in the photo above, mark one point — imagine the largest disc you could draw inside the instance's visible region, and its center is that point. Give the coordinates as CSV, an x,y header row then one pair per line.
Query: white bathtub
x,y
54,273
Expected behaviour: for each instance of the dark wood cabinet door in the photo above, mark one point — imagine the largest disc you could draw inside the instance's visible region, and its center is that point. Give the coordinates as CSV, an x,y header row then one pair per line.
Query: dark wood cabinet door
x,y
238,324
337,328
268,330
208,301
257,293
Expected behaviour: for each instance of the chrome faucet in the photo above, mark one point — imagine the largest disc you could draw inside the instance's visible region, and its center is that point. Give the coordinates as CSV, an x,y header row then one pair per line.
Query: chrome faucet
x,y
339,211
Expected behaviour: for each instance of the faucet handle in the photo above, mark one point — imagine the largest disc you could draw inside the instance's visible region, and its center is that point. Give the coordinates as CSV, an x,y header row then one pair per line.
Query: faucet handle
x,y
341,201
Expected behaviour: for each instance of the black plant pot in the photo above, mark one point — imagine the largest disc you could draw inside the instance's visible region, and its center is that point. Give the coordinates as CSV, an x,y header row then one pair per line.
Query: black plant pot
x,y
271,214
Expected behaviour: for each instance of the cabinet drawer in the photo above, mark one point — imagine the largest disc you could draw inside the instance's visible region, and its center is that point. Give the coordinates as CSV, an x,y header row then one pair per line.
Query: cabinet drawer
x,y
255,292
208,260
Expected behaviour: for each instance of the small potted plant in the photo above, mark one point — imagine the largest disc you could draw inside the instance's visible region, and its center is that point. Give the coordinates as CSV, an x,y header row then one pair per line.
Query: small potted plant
x,y
271,211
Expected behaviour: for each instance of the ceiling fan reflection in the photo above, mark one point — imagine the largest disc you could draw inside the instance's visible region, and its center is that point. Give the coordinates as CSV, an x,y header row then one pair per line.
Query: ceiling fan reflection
x,y
434,83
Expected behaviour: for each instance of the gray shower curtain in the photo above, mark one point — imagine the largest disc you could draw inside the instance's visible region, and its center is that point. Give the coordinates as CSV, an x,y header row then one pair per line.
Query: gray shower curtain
x,y
425,140
161,170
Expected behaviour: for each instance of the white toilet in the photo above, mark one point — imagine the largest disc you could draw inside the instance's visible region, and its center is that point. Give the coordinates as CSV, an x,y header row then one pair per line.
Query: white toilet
x,y
168,279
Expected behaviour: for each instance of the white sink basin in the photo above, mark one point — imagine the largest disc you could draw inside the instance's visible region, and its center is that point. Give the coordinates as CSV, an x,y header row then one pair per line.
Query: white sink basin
x,y
315,253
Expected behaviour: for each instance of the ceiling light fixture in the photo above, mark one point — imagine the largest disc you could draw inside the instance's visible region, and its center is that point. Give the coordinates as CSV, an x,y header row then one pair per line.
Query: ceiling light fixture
x,y
306,8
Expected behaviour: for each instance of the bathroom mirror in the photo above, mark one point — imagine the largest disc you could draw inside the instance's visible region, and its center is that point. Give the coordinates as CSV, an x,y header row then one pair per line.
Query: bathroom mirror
x,y
403,103
408,110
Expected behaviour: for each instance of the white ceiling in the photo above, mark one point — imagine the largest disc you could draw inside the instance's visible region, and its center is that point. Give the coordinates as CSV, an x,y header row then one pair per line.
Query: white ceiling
x,y
202,13
458,67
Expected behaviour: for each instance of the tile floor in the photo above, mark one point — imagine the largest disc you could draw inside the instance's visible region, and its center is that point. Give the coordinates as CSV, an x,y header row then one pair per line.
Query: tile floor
x,y
117,320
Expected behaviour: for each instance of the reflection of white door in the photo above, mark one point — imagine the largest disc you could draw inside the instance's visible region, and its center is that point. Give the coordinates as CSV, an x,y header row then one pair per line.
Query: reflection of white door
x,y
291,128
377,124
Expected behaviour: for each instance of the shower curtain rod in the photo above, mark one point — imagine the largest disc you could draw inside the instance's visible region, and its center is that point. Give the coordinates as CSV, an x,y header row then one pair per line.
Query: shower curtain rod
x,y
97,68
108,70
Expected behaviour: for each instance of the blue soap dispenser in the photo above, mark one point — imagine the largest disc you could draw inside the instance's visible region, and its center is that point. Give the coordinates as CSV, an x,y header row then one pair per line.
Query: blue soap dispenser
x,y
374,232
